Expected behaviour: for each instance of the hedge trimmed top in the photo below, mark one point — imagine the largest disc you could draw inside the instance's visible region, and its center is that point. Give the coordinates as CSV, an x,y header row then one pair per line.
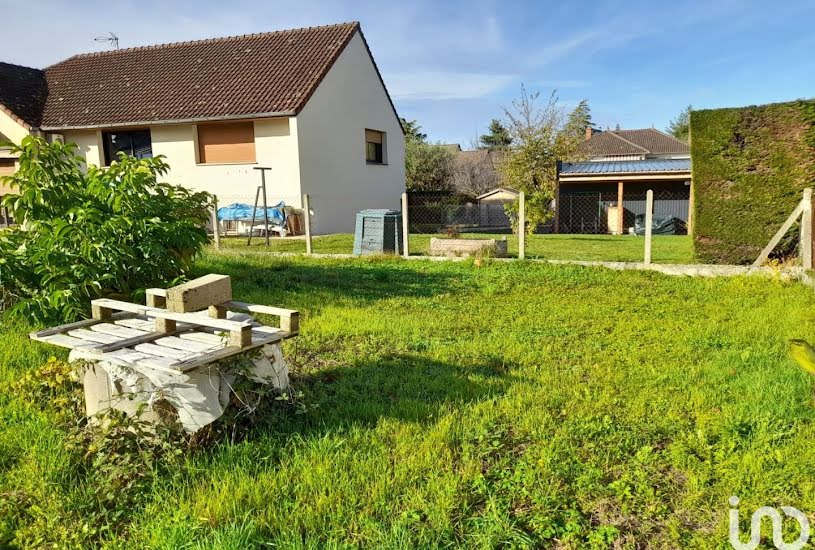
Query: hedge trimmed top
x,y
750,165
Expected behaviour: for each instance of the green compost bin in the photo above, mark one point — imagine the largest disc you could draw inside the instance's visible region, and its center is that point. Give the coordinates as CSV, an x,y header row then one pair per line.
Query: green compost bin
x,y
378,232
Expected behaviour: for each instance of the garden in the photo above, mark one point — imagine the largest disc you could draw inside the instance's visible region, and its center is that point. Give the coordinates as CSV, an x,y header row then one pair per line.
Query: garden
x,y
476,403
537,405
668,249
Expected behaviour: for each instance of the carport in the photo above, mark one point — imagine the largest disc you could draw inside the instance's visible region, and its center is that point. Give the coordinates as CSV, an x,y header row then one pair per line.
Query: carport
x,y
606,196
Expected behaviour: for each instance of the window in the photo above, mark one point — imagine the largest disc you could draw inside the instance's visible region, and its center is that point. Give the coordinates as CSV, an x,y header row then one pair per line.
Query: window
x,y
135,143
374,147
231,142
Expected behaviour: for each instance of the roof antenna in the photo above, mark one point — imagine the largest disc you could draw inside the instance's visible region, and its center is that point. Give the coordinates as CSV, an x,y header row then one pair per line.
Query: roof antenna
x,y
112,40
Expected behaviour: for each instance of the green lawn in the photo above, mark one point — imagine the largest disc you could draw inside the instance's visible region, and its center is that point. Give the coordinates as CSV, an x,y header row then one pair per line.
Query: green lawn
x,y
610,248
520,405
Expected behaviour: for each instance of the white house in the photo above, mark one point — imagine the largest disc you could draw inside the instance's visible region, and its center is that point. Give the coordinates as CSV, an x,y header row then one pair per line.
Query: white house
x,y
308,103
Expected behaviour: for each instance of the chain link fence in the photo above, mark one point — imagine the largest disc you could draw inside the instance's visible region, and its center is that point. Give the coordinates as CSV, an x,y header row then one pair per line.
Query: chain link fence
x,y
596,212
458,218
582,230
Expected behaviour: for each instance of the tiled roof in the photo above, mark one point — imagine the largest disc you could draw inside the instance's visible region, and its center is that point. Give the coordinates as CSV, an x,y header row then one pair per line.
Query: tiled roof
x,y
479,156
655,141
22,93
608,143
633,142
264,74
625,167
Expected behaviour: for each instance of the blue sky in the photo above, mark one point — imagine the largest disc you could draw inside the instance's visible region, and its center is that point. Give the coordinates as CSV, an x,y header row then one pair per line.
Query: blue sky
x,y
454,65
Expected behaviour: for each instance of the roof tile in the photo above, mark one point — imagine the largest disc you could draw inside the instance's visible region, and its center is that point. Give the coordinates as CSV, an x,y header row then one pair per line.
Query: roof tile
x,y
22,92
633,142
257,74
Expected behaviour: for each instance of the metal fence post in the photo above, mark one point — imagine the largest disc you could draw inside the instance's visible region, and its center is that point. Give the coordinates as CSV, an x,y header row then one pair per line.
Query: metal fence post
x,y
216,228
649,220
307,221
806,229
521,225
405,227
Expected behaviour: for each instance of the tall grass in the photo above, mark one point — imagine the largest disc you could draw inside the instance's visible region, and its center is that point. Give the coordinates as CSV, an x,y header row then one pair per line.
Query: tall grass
x,y
449,404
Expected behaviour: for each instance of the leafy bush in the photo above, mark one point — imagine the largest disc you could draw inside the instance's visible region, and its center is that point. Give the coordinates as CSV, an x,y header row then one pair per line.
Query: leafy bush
x,y
428,166
100,232
750,166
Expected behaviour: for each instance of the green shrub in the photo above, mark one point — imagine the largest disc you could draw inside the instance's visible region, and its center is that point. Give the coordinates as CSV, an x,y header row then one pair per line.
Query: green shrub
x,y
100,232
750,166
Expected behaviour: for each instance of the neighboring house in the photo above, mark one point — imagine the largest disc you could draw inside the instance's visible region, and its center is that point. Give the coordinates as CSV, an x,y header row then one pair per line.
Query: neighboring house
x,y
621,166
308,103
491,206
499,195
474,172
642,144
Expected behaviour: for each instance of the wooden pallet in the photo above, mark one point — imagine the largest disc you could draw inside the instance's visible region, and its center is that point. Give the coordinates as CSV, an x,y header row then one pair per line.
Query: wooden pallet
x,y
130,334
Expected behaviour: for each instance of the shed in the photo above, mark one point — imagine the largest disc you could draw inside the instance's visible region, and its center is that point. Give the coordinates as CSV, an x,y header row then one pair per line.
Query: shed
x,y
499,195
491,206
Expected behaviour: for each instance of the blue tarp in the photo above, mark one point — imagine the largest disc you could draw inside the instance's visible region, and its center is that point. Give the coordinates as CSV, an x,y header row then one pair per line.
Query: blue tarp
x,y
243,212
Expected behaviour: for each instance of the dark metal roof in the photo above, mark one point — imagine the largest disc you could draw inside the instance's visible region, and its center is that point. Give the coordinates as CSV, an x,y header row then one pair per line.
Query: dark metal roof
x,y
625,167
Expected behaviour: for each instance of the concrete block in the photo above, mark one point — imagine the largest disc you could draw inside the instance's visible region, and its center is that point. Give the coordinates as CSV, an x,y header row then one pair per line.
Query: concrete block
x,y
468,247
199,293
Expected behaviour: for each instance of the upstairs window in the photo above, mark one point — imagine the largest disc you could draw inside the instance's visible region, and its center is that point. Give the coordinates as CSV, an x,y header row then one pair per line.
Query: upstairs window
x,y
226,143
135,143
374,147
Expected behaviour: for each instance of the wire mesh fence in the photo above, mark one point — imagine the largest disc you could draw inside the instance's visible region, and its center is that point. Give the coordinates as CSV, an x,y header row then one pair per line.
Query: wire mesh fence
x,y
596,212
447,218
585,222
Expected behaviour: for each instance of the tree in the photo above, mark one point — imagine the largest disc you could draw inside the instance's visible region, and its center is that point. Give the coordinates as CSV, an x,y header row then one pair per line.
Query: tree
x,y
473,172
428,166
413,132
498,138
680,126
87,233
579,120
541,139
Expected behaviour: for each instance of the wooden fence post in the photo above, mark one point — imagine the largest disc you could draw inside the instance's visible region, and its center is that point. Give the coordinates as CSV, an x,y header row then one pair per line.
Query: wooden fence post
x,y
806,229
216,227
649,220
405,227
521,225
796,214
307,221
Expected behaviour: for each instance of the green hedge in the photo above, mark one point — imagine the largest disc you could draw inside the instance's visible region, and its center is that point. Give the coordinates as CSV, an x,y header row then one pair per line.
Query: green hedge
x,y
750,166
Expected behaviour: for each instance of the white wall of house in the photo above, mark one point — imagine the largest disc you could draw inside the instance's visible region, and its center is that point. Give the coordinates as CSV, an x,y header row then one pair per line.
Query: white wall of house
x,y
275,147
11,130
89,143
331,133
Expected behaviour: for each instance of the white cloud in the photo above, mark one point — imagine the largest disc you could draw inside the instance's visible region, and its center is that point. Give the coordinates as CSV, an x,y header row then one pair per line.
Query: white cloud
x,y
439,85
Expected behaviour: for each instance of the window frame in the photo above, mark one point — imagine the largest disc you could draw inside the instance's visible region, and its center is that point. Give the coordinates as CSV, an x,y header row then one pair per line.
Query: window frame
x,y
107,155
380,148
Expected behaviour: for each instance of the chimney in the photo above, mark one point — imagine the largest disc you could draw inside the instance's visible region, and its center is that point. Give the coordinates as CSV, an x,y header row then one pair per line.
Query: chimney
x,y
588,133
